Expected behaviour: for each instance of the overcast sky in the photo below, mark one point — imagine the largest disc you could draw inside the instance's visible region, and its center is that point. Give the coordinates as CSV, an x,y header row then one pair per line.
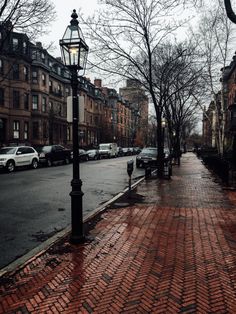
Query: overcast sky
x,y
64,10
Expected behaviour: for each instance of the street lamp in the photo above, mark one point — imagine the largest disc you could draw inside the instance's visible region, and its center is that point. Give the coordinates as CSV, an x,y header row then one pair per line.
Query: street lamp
x,y
74,52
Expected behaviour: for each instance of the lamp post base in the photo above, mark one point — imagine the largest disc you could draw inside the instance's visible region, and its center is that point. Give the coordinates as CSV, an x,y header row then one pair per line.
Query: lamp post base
x,y
76,239
77,233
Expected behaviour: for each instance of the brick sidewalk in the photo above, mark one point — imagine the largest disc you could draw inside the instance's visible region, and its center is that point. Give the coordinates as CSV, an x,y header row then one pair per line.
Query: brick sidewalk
x,y
172,252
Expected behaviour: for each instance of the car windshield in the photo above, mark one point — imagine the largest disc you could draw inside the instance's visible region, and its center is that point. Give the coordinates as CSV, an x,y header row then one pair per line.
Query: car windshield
x,y
149,151
7,150
45,149
105,146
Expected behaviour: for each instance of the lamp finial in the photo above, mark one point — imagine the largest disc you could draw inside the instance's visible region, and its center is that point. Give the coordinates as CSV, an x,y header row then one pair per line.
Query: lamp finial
x,y
74,21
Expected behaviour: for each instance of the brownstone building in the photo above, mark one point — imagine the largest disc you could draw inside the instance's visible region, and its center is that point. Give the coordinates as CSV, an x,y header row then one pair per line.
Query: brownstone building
x,y
35,101
139,107
33,90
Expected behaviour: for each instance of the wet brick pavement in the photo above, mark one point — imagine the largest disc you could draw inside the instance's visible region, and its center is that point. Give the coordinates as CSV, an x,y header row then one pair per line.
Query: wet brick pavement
x,y
174,251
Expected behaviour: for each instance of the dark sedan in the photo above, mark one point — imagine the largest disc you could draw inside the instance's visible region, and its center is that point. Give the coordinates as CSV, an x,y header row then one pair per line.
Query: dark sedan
x,y
83,155
147,157
50,154
93,154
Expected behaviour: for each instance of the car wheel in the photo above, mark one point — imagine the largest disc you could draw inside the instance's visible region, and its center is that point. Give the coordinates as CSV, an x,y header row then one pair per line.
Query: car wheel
x,y
67,161
34,163
10,166
49,162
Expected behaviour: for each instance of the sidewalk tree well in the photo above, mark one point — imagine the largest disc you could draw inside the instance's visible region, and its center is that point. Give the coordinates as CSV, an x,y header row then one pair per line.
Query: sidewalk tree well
x,y
124,36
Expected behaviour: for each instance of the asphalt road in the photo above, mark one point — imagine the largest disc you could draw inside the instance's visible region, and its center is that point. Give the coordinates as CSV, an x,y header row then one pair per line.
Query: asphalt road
x,y
35,204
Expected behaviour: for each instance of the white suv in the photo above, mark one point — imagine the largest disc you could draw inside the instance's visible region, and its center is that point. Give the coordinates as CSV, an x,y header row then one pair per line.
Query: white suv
x,y
11,157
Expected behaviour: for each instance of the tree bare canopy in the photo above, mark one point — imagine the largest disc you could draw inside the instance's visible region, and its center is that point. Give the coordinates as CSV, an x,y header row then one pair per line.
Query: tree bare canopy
x,y
178,82
27,16
125,38
215,36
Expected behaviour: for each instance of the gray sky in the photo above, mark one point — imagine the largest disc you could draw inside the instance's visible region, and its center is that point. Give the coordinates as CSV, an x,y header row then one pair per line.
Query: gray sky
x,y
64,10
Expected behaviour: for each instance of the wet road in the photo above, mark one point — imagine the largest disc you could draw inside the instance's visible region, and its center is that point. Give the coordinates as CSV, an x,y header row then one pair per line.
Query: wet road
x,y
35,204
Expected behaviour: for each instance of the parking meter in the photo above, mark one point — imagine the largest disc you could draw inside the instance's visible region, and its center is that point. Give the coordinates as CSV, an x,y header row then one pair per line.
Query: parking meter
x,y
130,167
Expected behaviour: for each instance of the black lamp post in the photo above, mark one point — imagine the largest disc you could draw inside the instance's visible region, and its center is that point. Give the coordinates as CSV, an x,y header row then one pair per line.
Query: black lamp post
x,y
74,52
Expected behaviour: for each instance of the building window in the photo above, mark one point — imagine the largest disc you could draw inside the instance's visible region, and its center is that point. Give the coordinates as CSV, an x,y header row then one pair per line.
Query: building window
x,y
68,134
26,73
67,91
26,101
43,79
24,47
44,104
26,130
1,97
50,86
35,130
1,66
15,44
35,77
16,129
59,89
43,57
45,130
35,102
34,54
16,99
15,71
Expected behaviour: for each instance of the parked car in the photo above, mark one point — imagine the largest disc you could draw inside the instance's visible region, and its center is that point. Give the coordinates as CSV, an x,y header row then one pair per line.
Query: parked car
x,y
50,154
93,154
120,152
108,150
12,157
137,150
83,155
147,157
127,151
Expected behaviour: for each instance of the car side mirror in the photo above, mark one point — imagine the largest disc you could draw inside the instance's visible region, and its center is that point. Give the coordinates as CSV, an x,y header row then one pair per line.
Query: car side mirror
x,y
18,153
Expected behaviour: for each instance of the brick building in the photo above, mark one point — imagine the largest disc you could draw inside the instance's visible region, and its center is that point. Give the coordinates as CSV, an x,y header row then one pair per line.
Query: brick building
x,y
35,101
33,90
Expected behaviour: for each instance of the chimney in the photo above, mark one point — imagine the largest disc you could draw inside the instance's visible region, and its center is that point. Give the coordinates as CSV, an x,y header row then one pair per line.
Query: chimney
x,y
39,44
98,83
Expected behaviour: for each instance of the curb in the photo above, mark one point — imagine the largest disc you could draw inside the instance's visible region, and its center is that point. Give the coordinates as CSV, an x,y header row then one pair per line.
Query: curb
x,y
41,248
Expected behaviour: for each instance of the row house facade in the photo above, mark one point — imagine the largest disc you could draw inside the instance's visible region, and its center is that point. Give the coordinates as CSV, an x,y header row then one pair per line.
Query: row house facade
x,y
33,91
138,100
221,113
35,95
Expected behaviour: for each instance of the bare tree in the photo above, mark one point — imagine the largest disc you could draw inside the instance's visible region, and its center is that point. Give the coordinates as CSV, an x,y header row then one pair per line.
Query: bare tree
x,y
177,82
214,36
124,37
27,16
